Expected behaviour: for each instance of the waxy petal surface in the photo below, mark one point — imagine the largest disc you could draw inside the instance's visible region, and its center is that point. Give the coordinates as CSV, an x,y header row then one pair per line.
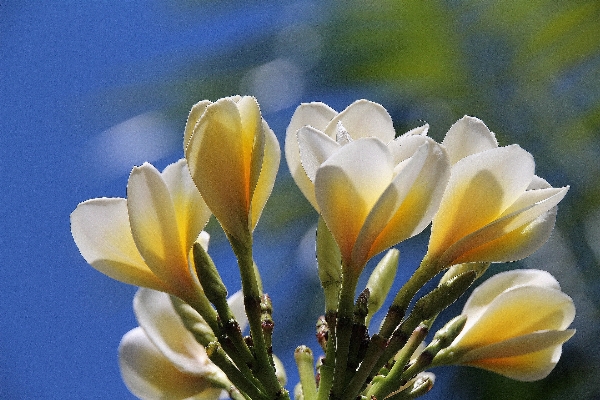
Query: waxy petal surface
x,y
364,119
468,136
268,172
163,326
100,228
149,375
154,227
480,188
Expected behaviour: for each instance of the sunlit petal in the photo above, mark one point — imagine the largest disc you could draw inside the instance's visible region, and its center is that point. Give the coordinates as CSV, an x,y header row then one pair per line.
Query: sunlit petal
x,y
156,315
468,136
363,119
268,172
223,180
347,186
315,148
100,228
195,114
480,188
190,210
316,115
153,222
150,375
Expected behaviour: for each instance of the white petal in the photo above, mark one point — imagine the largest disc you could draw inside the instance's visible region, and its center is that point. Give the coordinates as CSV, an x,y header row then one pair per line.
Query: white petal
x,y
315,148
363,119
492,287
154,225
468,136
348,185
195,114
150,376
100,228
236,303
316,115
268,172
191,211
158,318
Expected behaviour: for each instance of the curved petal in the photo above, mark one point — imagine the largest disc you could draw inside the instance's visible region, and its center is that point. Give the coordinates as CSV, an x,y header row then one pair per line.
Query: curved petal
x,y
407,205
363,119
316,115
527,367
480,188
315,148
191,211
468,136
149,375
193,118
156,315
348,185
266,180
218,159
154,226
100,228
236,303
485,293
514,236
511,314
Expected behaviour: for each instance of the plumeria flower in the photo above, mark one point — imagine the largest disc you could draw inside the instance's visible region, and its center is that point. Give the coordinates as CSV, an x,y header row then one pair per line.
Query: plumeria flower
x,y
317,122
146,239
161,359
495,208
516,324
233,157
373,196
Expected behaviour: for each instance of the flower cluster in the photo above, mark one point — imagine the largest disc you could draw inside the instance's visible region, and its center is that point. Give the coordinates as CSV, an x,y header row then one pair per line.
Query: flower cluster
x,y
372,190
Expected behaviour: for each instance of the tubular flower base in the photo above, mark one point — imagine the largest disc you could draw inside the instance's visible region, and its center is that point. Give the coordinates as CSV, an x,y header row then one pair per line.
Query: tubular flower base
x,y
516,324
372,190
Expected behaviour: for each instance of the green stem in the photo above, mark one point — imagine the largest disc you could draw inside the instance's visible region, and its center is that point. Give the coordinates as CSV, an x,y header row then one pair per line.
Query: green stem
x,y
304,361
426,271
343,330
328,365
264,370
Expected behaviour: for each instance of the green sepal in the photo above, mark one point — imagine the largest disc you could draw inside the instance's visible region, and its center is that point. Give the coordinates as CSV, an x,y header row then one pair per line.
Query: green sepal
x,y
329,261
380,281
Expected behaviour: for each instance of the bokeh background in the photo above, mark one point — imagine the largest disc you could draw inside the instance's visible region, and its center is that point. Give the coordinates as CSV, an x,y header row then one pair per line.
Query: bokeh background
x,y
89,89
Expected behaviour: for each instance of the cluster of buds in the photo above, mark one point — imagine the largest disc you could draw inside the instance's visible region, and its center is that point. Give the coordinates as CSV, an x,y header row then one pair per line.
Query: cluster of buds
x,y
372,190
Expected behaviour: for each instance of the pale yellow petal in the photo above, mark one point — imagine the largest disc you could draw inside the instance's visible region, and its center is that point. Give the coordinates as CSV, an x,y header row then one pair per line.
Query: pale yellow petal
x,y
253,139
527,367
348,185
514,236
191,211
217,160
100,228
468,136
149,375
163,326
516,312
195,114
363,119
480,188
492,287
315,148
268,172
407,205
316,115
154,226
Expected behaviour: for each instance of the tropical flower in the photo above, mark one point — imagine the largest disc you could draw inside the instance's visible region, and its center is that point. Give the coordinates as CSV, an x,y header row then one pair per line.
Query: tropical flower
x,y
161,359
372,196
317,122
495,208
146,239
516,324
233,157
